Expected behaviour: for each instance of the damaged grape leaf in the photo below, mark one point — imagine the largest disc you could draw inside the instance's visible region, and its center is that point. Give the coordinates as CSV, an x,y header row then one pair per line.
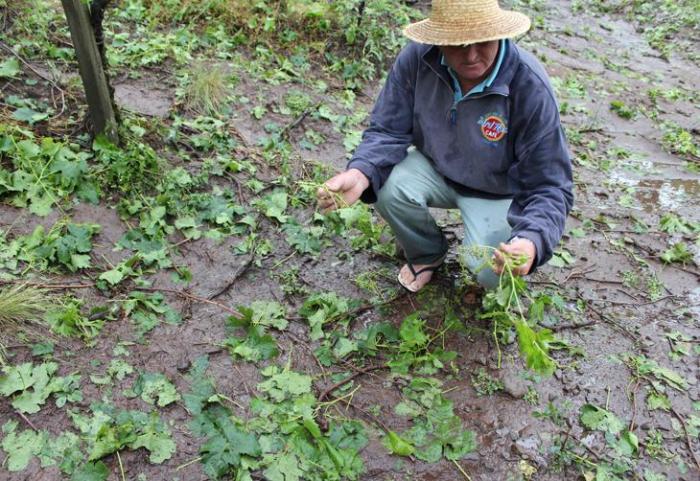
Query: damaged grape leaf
x,y
599,419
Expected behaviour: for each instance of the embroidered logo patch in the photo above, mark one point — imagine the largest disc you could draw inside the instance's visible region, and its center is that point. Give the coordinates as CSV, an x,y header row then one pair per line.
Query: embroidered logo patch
x,y
493,127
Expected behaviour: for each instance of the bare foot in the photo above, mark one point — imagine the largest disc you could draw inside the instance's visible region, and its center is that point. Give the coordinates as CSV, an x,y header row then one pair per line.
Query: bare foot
x,y
415,283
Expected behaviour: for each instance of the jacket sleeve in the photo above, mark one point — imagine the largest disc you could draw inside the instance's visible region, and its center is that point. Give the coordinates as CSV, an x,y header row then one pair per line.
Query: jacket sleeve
x,y
390,132
543,179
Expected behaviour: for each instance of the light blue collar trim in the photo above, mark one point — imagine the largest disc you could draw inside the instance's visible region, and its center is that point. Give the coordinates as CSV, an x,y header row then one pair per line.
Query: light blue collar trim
x,y
478,88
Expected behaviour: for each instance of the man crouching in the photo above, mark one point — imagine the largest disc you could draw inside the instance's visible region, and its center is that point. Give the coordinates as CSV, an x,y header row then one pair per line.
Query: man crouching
x,y
466,120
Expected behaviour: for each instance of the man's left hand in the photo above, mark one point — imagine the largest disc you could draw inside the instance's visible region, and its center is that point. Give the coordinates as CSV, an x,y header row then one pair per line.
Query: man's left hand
x,y
516,248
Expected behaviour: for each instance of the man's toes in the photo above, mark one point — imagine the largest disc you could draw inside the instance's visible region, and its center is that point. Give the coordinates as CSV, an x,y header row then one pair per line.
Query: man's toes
x,y
420,281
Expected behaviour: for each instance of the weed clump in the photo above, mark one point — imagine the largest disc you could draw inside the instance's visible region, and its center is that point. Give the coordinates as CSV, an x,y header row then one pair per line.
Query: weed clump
x,y
19,304
206,89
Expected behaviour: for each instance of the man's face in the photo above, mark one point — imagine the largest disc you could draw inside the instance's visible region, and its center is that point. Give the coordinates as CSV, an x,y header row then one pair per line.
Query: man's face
x,y
471,62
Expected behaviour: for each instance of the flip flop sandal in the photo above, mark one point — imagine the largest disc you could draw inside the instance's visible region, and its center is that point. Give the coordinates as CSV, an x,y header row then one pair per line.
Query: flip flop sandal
x,y
417,273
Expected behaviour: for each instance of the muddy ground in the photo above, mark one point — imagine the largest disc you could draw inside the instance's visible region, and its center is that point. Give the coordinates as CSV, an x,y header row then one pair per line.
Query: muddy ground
x,y
624,175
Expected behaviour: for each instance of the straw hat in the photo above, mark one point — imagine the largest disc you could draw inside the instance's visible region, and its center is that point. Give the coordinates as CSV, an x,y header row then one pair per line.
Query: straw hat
x,y
461,22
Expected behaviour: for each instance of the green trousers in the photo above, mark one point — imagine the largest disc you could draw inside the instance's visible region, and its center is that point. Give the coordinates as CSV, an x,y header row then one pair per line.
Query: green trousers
x,y
414,186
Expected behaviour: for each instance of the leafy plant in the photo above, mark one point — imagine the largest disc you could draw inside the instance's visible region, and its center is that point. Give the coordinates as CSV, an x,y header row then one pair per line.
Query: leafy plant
x,y
30,386
437,432
622,109
147,309
503,306
273,205
677,140
110,430
323,308
43,174
257,344
674,224
132,169
415,349
679,253
155,389
65,246
21,447
597,418
484,384
305,240
282,439
659,376
68,320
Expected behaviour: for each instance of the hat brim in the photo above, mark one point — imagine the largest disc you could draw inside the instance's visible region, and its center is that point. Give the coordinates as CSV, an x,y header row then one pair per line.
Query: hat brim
x,y
506,25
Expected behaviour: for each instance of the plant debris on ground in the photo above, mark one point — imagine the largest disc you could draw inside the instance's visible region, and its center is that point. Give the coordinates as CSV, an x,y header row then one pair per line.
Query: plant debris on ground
x,y
176,307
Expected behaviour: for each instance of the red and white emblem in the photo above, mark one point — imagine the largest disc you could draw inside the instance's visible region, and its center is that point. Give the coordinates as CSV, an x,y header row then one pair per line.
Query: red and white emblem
x,y
493,127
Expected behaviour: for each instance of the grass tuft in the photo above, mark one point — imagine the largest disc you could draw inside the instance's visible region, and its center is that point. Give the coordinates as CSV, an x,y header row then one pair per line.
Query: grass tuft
x,y
19,305
207,90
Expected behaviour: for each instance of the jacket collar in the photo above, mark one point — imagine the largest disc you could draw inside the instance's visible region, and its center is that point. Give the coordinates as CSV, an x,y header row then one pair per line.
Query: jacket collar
x,y
500,85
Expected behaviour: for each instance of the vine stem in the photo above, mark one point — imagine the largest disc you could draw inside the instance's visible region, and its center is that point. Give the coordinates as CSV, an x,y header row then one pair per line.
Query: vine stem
x,y
188,463
121,466
357,374
461,470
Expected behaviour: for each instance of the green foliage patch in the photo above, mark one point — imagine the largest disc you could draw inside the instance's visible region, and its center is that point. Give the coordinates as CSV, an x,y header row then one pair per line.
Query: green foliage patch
x,y
41,175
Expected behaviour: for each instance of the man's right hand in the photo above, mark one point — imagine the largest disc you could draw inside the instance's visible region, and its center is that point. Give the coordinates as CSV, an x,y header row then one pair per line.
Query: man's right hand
x,y
349,186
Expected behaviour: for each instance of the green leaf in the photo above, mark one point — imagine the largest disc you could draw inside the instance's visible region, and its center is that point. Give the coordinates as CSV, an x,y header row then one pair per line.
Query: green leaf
x,y
284,468
109,431
597,418
561,259
68,320
628,444
147,310
343,347
156,439
658,401
273,205
398,445
674,224
256,346
534,346
459,445
113,276
9,67
265,313
25,114
221,454
155,388
119,369
305,240
284,385
322,308
411,332
312,427
22,447
41,203
645,367
91,472
32,385
16,378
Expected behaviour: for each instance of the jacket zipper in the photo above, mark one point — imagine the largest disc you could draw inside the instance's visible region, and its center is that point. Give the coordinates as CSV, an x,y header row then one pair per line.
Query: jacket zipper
x,y
455,103
453,110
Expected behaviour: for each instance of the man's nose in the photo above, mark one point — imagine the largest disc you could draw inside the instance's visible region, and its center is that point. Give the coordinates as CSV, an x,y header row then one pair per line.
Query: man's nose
x,y
471,54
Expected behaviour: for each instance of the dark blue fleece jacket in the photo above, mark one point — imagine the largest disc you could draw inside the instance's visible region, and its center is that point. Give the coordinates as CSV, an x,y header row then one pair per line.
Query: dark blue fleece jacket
x,y
505,142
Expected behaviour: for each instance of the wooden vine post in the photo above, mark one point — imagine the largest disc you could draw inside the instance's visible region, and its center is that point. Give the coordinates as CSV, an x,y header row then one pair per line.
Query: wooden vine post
x,y
91,71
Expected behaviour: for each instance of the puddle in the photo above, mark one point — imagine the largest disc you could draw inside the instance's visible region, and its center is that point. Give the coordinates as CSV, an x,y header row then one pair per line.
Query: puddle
x,y
673,194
